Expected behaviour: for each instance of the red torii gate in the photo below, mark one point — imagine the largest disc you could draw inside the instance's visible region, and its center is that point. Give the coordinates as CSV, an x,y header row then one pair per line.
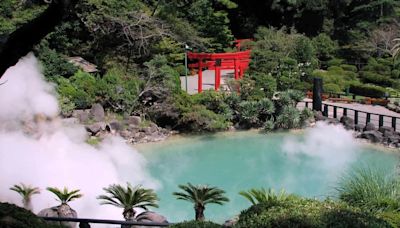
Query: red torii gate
x,y
239,61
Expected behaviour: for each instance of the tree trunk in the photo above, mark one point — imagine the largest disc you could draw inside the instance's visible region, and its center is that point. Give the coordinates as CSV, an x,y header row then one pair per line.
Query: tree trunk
x,y
21,41
199,209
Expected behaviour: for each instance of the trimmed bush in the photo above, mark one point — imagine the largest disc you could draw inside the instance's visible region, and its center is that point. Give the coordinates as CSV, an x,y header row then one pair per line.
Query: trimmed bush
x,y
12,216
202,119
196,224
299,212
367,90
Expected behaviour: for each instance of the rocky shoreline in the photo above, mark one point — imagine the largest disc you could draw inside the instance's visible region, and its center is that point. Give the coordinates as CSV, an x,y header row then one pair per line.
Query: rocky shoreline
x,y
133,129
384,135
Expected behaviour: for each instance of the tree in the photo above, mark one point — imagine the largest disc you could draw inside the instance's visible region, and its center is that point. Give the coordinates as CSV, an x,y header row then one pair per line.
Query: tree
x,y
128,198
201,195
26,191
22,40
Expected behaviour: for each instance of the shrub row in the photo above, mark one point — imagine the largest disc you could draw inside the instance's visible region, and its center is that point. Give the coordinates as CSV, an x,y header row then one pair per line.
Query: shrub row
x,y
368,90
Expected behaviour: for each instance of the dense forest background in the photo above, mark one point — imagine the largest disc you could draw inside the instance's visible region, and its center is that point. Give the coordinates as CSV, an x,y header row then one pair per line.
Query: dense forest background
x,y
138,47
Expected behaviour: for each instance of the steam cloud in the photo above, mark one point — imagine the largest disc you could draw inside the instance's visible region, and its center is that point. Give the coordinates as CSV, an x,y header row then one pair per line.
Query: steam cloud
x,y
332,145
57,155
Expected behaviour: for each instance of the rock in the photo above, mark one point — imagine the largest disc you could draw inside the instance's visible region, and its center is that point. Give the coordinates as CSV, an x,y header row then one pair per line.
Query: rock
x,y
70,121
319,116
149,130
81,115
332,121
373,136
97,112
126,134
149,216
370,127
347,122
115,126
95,128
61,211
359,127
231,222
134,120
385,129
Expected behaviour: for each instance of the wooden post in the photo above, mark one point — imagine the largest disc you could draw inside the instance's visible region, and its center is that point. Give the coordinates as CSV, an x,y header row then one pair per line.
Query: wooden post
x,y
368,118
355,116
344,111
380,120
317,94
236,69
394,123
326,112
200,79
334,112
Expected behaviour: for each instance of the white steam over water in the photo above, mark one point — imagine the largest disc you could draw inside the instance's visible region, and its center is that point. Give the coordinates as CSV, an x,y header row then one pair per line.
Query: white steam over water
x,y
332,145
57,155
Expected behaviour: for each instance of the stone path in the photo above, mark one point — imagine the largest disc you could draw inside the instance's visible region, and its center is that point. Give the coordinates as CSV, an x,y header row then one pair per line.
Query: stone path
x,y
208,80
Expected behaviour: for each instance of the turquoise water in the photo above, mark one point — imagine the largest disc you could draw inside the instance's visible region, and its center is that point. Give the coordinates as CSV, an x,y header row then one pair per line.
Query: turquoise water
x,y
242,160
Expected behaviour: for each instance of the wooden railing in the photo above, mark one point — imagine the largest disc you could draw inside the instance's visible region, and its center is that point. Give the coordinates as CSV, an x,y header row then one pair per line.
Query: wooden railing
x,y
359,117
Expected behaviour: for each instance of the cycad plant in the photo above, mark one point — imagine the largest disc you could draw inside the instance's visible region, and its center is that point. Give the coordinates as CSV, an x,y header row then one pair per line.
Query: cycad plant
x,y
26,191
396,48
200,196
128,198
64,195
267,196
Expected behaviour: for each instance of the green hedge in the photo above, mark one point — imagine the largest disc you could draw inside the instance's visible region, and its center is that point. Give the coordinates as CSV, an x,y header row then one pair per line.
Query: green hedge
x,y
367,90
300,212
196,224
12,216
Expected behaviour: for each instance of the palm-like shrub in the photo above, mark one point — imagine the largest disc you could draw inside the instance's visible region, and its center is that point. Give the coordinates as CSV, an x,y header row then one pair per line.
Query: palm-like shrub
x,y
128,198
396,48
200,196
266,196
289,118
64,195
26,191
370,189
63,210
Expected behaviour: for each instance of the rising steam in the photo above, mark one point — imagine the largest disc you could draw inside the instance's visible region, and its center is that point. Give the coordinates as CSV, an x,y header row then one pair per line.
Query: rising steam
x,y
37,149
332,145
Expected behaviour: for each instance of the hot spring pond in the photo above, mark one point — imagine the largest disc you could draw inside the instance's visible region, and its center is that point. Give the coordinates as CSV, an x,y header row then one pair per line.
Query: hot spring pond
x,y
305,164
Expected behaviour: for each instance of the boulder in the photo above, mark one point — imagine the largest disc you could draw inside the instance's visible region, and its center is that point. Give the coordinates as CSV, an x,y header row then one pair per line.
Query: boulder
x,y
70,121
231,222
370,127
95,128
134,120
115,125
386,129
61,211
149,216
373,136
332,121
347,122
97,112
81,115
319,116
359,127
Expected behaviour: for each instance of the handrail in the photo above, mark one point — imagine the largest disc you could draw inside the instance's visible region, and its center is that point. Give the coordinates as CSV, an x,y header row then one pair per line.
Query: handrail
x,y
105,221
368,115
